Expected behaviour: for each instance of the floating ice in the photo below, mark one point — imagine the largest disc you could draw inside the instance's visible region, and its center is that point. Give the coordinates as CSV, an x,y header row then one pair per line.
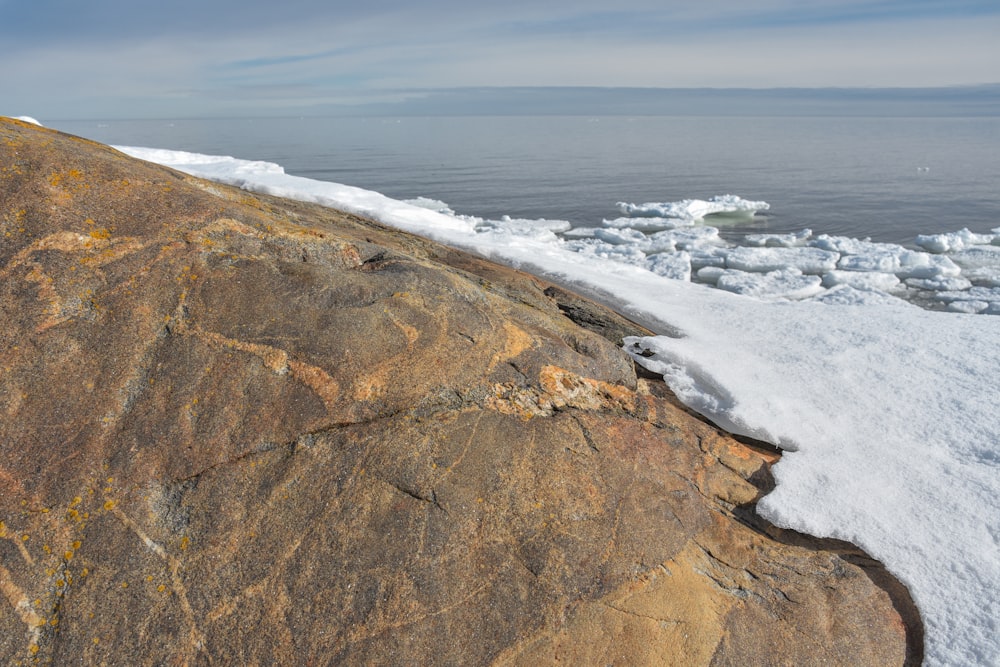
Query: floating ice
x,y
913,264
710,274
847,295
988,294
968,306
806,260
542,230
708,256
620,236
596,248
687,238
977,257
781,284
674,265
696,209
778,240
648,224
953,241
871,280
848,246
939,284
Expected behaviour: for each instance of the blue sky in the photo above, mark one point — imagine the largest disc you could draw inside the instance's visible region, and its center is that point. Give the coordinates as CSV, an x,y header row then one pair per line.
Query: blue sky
x,y
122,58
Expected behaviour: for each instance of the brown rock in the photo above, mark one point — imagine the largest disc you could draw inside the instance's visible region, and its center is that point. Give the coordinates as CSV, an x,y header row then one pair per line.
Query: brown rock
x,y
240,430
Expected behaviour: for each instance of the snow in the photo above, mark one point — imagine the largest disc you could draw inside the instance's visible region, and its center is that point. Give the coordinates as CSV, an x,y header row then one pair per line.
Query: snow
x,y
26,119
887,412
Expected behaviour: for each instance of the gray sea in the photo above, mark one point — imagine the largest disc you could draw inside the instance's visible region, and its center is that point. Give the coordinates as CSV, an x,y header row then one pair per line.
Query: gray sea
x,y
887,179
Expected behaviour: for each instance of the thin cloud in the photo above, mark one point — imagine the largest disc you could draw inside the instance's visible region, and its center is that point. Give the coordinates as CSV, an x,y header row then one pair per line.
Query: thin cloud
x,y
74,55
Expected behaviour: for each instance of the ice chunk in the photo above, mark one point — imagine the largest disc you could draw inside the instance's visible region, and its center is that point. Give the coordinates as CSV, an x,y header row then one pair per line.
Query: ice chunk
x,y
621,236
782,284
869,280
953,241
987,276
648,224
708,256
626,254
792,240
695,209
688,238
978,257
875,260
846,295
939,284
674,265
541,229
851,246
971,307
806,260
861,255
915,264
989,294
710,274
580,233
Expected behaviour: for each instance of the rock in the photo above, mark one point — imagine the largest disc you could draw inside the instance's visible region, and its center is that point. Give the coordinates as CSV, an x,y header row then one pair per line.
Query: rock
x,y
242,430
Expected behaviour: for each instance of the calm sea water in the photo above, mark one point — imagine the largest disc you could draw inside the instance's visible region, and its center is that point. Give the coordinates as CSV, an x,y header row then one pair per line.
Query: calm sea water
x,y
885,178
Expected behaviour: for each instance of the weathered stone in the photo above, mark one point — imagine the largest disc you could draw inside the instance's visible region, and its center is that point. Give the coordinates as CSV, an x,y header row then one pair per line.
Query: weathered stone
x,y
240,430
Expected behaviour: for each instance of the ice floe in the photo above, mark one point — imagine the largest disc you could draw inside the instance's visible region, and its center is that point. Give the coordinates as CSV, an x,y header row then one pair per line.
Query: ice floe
x,y
696,209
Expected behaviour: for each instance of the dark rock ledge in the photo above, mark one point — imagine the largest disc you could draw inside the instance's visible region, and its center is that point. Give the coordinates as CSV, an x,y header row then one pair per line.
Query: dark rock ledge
x,y
242,430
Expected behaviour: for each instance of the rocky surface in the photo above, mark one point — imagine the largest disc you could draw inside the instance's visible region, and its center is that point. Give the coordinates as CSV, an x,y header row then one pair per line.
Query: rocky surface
x,y
241,430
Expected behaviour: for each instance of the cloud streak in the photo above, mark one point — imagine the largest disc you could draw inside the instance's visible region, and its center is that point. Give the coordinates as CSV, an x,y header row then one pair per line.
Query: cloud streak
x,y
118,58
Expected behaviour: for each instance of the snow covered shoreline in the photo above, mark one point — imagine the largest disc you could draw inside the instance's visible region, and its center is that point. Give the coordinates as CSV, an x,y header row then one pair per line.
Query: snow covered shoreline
x,y
887,412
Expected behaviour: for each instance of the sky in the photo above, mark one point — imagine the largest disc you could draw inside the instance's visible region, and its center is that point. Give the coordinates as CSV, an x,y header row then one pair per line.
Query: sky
x,y
201,58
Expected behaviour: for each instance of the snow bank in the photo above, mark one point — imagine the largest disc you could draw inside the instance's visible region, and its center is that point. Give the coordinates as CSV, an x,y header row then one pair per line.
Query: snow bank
x,y
26,119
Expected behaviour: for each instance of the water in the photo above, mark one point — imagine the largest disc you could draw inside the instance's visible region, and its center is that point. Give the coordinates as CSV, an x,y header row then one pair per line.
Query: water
x,y
884,178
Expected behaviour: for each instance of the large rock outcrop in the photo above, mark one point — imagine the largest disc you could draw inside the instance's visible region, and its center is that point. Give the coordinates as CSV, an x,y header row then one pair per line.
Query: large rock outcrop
x,y
240,430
